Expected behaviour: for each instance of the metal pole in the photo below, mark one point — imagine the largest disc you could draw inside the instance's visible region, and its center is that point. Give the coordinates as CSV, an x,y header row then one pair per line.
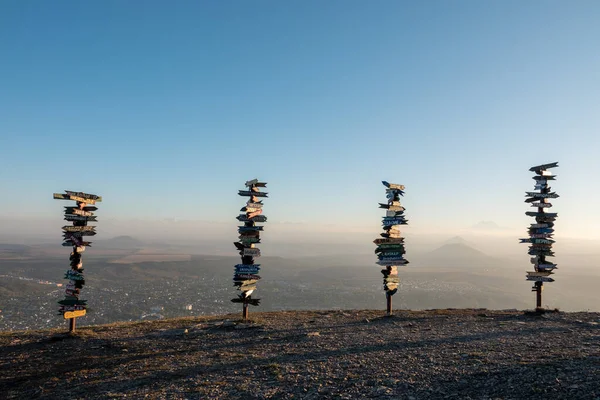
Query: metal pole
x,y
72,325
389,304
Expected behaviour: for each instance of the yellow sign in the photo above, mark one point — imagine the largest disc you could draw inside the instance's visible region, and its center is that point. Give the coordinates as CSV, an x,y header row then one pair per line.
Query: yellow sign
x,y
74,314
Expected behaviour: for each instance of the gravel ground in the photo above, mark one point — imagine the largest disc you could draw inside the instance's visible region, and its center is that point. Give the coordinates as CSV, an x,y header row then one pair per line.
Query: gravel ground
x,y
352,354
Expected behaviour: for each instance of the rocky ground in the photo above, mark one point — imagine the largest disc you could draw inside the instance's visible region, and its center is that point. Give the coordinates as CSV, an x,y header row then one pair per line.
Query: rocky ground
x,y
437,354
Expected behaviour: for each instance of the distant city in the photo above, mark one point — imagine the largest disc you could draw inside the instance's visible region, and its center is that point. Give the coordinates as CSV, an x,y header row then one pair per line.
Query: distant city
x,y
122,284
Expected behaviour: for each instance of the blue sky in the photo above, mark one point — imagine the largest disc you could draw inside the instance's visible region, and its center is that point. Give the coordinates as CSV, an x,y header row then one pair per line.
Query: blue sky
x,y
166,108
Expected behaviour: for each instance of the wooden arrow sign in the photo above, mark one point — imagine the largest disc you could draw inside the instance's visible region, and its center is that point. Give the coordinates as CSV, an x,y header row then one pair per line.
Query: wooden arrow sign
x,y
380,250
252,193
72,217
74,314
246,276
395,257
542,195
252,302
86,211
393,221
256,218
541,205
242,271
71,308
536,246
74,276
249,234
541,251
542,241
68,228
71,235
59,196
392,262
390,246
249,240
540,278
392,213
84,195
541,214
247,266
73,302
392,185
244,282
542,178
249,228
256,206
390,255
541,168
388,240
539,273
251,252
540,230
534,226
540,219
255,214
541,235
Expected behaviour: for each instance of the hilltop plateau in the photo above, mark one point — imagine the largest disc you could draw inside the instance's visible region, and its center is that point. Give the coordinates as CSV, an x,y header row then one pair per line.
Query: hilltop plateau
x,y
433,354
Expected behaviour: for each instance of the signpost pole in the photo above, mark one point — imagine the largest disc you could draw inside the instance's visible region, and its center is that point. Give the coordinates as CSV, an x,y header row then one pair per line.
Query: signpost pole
x,y
390,246
541,231
245,276
538,294
539,285
73,235
245,312
389,304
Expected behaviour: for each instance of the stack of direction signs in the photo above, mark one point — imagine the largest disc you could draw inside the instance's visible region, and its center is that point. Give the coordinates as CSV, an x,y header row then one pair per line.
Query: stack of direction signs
x,y
72,306
390,247
541,232
246,274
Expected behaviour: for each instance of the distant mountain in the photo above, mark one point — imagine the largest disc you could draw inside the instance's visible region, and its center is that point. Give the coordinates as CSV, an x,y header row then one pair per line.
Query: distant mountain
x,y
456,250
10,251
459,240
457,254
120,242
